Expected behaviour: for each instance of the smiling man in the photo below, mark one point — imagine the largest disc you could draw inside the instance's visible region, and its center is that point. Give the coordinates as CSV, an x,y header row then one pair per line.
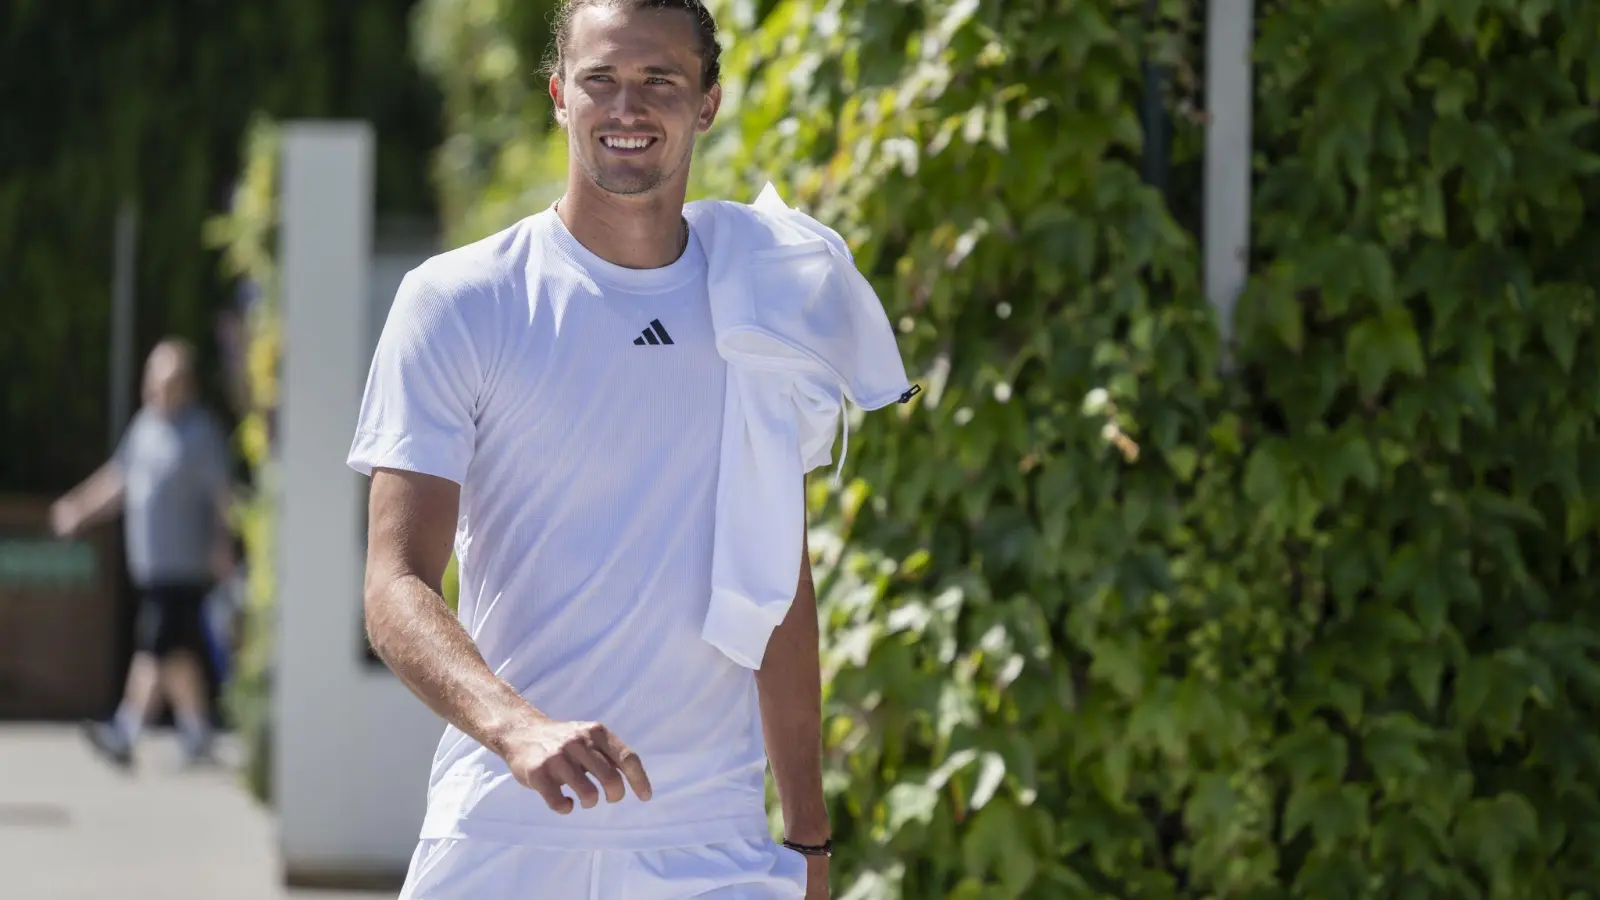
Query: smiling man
x,y
548,403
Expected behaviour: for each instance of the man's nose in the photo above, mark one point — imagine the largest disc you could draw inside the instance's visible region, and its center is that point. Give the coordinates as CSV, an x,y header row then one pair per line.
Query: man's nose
x,y
628,104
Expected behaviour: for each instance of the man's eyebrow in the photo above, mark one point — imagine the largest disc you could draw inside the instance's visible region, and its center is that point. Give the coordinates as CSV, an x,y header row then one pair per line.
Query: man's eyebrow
x,y
607,69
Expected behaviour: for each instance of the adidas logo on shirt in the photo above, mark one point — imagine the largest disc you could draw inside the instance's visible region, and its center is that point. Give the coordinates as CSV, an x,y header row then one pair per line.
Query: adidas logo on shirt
x,y
655,334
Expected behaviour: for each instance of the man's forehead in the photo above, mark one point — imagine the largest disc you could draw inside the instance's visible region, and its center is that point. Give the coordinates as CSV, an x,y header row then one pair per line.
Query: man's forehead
x,y
601,33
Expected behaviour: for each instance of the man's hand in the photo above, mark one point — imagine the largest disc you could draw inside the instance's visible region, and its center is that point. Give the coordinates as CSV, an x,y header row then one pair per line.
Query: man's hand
x,y
547,756
98,497
816,878
65,520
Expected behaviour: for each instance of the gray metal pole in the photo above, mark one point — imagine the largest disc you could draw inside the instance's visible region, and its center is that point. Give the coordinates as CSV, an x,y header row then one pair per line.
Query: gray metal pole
x,y
125,259
1229,92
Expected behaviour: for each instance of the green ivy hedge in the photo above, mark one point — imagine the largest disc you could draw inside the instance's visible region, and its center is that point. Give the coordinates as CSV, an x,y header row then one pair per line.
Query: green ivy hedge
x,y
246,236
1101,623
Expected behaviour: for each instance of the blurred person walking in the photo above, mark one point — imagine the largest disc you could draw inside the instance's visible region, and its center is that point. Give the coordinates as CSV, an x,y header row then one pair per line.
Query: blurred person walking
x,y
169,476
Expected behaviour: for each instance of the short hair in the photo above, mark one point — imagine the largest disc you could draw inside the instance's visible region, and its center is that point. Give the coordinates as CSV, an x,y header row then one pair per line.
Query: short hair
x,y
705,30
181,350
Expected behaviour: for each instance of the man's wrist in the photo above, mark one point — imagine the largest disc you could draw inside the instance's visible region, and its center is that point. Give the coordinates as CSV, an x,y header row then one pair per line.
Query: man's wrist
x,y
512,720
808,833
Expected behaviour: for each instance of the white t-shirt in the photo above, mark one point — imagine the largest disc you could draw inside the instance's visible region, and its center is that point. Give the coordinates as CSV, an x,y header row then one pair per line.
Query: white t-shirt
x,y
579,405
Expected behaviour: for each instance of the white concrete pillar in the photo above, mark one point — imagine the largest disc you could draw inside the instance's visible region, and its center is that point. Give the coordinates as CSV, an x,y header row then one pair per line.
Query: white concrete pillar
x,y
1229,94
351,745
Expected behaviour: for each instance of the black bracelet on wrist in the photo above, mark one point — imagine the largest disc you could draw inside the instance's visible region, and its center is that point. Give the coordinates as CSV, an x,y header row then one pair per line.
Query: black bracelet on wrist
x,y
823,849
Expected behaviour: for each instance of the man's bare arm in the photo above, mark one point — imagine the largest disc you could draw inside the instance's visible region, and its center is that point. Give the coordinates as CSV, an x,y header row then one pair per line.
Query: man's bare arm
x,y
412,525
97,498
412,520
789,684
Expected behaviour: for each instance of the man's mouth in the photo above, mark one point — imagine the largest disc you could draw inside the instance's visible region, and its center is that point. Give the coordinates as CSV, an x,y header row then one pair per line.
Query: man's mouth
x,y
627,144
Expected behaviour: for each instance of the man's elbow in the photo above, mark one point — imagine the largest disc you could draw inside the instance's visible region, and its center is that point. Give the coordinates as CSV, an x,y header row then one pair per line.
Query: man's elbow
x,y
377,604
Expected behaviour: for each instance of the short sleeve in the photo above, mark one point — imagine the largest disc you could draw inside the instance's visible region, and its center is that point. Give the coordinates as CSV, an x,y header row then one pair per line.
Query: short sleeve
x,y
818,407
418,411
212,463
119,456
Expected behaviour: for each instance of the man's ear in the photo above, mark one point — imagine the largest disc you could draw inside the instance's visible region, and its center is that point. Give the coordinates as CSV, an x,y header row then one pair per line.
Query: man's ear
x,y
558,96
709,104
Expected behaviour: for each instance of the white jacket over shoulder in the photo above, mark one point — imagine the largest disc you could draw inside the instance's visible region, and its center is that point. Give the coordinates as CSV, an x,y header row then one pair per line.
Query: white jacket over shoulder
x,y
802,331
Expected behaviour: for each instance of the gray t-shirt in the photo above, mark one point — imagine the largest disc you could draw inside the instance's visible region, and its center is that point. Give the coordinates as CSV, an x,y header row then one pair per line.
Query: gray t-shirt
x,y
173,468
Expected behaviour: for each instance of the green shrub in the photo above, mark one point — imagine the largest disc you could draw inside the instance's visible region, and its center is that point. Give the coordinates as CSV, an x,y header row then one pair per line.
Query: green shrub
x,y
247,237
1101,624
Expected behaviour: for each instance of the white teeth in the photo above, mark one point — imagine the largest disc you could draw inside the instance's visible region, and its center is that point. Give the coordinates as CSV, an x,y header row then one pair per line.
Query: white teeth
x,y
627,143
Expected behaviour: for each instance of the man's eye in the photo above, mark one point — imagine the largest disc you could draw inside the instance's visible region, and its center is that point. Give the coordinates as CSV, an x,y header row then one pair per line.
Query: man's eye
x,y
599,77
656,79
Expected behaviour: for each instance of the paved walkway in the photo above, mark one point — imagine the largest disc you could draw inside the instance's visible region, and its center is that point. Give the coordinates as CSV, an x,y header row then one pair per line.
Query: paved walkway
x,y
72,828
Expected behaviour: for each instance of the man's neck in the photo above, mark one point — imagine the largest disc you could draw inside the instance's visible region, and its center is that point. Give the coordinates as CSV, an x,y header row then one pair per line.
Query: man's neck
x,y
643,232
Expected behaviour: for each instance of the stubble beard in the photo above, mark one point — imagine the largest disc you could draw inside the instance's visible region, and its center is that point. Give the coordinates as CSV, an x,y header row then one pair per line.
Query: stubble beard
x,y
631,183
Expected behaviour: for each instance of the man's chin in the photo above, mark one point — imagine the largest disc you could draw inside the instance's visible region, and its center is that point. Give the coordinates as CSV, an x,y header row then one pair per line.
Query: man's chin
x,y
629,185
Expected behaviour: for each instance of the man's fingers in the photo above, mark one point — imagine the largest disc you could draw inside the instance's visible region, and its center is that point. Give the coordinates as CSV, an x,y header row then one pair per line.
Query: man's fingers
x,y
634,769
601,768
628,761
551,792
568,772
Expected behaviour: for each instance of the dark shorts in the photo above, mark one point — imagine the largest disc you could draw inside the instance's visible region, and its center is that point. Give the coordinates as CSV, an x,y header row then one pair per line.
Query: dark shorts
x,y
170,618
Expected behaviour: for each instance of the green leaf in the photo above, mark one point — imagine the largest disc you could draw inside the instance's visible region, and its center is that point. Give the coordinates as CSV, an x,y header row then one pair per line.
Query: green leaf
x,y
1563,342
997,842
1327,873
1312,753
1349,570
1430,603
1393,746
954,763
1266,477
1348,699
1454,92
1430,209
1281,312
1509,686
1353,458
968,889
1473,679
1379,347
1121,664
907,803
991,772
1331,810
1118,765
1212,804
1492,831
1405,568
1183,460
1490,504
1384,625
1377,274
1425,670
1415,839
1412,575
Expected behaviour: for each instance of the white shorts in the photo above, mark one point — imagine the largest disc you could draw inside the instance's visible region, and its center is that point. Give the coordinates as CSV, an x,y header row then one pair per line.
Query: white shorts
x,y
451,869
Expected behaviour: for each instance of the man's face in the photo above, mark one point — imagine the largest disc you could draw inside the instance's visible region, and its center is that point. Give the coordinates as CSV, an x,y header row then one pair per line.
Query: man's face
x,y
166,381
631,98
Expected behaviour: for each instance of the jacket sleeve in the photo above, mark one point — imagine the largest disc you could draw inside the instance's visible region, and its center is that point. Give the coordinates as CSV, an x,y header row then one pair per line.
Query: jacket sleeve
x,y
755,567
